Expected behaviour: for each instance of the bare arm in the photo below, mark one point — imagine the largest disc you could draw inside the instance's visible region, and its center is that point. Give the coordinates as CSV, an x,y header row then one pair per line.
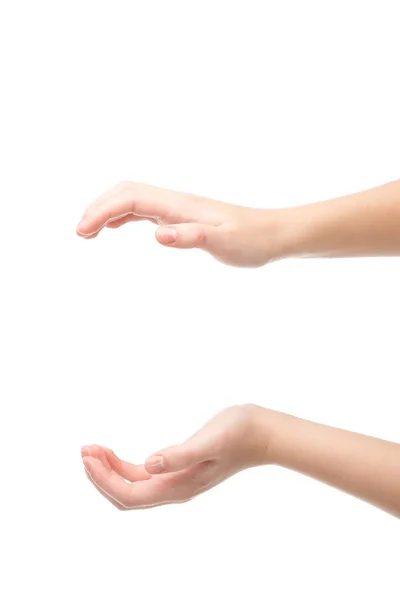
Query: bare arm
x,y
362,466
363,224
248,436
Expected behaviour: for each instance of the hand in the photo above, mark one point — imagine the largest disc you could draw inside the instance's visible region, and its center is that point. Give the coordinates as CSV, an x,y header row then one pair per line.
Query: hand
x,y
234,235
236,439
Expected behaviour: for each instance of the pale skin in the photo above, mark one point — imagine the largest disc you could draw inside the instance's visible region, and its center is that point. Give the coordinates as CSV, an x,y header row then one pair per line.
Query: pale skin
x,y
363,224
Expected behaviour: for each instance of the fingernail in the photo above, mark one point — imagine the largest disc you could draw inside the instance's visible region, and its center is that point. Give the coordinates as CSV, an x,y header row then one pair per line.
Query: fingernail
x,y
169,235
156,464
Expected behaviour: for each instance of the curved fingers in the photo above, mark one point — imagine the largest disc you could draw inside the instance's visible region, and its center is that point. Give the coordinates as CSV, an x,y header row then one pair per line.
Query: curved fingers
x,y
144,493
127,470
127,201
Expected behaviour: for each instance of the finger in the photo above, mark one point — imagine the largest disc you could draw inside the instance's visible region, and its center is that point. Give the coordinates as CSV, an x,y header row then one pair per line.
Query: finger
x,y
107,480
110,223
114,224
111,461
111,500
127,470
170,488
119,221
177,458
130,495
90,236
186,235
128,199
96,451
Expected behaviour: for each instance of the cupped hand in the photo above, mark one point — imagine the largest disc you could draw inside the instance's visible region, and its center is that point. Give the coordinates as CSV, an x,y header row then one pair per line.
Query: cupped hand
x,y
236,439
234,235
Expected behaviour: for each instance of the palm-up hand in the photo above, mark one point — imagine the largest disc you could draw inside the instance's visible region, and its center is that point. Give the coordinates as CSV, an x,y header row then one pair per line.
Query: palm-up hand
x,y
233,234
227,444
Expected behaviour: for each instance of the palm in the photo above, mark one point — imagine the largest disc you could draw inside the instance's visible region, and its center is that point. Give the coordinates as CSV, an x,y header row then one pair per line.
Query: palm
x,y
225,445
136,488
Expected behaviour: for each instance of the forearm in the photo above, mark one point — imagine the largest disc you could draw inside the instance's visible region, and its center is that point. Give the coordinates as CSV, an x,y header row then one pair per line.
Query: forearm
x,y
365,467
362,224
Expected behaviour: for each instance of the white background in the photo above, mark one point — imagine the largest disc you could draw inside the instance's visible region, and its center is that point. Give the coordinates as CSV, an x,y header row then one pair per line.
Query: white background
x,y
121,342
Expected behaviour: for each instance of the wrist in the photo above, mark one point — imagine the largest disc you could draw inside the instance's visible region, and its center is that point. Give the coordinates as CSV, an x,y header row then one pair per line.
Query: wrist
x,y
315,230
267,432
285,233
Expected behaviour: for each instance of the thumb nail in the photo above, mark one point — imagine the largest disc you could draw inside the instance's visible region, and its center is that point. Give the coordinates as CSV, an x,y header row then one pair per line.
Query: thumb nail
x,y
156,464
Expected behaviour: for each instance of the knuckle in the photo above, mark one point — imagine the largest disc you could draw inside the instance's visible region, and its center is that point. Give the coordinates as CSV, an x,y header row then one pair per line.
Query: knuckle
x,y
200,235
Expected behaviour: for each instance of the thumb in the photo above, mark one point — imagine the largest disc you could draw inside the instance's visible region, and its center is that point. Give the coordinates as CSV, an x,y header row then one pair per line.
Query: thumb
x,y
186,235
176,458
